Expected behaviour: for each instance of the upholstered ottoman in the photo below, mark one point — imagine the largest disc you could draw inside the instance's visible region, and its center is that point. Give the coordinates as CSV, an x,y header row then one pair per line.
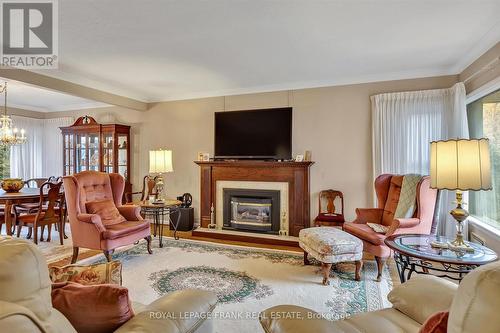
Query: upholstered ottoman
x,y
330,245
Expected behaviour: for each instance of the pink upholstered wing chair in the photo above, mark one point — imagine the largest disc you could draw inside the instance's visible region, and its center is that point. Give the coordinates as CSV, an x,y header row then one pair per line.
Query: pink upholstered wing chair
x,y
88,230
388,189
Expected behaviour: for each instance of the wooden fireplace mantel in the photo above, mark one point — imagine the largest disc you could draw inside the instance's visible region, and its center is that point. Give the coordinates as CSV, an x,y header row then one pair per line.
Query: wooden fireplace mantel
x,y
296,174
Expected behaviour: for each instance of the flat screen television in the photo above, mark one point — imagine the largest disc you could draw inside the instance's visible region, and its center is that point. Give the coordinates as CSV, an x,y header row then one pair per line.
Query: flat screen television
x,y
254,134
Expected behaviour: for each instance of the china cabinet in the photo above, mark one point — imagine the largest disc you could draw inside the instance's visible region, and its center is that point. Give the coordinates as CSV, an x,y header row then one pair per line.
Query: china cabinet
x,y
88,145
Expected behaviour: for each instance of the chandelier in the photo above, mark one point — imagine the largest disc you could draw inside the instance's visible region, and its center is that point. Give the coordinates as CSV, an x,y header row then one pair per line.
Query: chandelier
x,y
9,135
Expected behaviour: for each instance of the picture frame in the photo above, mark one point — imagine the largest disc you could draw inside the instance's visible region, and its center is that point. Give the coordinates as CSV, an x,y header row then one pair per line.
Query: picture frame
x,y
308,156
299,158
200,156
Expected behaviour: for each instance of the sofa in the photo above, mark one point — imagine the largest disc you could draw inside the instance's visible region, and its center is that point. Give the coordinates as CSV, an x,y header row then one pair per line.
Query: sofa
x,y
473,308
26,305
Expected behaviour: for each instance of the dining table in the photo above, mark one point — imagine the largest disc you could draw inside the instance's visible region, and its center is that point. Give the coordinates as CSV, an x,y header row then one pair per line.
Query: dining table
x,y
24,195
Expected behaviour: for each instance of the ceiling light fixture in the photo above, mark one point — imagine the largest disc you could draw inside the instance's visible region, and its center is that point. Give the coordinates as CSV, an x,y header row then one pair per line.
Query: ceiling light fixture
x,y
9,135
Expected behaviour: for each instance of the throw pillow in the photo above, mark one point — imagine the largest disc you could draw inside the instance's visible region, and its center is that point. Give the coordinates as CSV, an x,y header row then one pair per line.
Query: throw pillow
x,y
110,273
107,210
437,323
93,309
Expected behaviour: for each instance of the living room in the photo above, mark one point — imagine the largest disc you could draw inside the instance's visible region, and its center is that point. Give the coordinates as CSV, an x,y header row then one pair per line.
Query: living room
x,y
252,166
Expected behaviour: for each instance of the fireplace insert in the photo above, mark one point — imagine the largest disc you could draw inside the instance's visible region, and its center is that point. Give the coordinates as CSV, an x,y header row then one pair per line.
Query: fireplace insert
x,y
251,210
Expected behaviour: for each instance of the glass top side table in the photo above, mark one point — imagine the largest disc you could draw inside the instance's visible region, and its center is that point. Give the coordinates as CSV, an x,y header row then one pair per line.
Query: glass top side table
x,y
161,214
413,253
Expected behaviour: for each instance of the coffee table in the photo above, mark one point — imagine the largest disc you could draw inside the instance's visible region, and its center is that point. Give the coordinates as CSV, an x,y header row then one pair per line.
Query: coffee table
x,y
413,253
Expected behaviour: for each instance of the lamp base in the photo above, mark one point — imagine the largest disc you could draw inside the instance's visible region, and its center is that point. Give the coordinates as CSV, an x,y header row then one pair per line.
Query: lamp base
x,y
460,215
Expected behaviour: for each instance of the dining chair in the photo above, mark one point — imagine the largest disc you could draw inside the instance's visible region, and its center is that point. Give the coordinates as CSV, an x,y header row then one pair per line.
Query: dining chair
x,y
148,188
47,213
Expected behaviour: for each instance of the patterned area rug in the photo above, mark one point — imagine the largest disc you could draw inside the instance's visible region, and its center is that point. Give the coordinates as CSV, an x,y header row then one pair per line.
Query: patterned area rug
x,y
247,281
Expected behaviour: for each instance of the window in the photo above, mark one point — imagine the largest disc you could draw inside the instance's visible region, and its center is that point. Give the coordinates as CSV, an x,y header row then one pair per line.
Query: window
x,y
484,121
4,162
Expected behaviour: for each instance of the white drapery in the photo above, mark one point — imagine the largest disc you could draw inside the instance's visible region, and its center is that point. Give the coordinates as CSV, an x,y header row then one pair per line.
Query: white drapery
x,y
403,125
41,155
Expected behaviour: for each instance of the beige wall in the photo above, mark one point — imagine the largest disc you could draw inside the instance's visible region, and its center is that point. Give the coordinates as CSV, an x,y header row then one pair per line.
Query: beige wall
x,y
333,122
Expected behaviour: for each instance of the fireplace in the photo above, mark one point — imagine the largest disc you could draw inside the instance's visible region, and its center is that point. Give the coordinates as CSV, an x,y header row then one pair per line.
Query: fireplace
x,y
251,210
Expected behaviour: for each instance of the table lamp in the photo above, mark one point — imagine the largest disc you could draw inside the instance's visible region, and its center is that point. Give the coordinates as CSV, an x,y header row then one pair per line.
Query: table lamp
x,y
460,165
160,162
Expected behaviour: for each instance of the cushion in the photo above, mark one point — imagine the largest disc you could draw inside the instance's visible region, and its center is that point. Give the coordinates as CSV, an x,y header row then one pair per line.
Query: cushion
x,y
107,210
392,201
123,229
437,323
107,273
93,309
433,292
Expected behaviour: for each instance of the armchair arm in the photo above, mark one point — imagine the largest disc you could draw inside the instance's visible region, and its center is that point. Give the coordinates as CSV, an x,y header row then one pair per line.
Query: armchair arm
x,y
180,311
368,215
402,223
93,219
130,212
293,319
423,296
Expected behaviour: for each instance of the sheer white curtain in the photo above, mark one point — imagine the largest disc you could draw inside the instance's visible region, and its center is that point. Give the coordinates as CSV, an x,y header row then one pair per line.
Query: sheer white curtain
x,y
404,124
41,155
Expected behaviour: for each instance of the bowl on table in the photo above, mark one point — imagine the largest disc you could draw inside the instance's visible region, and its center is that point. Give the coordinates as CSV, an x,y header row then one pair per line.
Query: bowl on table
x,y
12,184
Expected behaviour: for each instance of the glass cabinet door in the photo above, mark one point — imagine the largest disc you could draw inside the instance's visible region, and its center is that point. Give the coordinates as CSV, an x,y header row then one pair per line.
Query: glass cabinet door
x,y
123,155
93,152
69,154
108,152
81,152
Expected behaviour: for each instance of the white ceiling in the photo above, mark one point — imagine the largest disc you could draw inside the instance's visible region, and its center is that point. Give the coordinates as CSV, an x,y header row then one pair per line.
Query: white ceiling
x,y
155,50
28,97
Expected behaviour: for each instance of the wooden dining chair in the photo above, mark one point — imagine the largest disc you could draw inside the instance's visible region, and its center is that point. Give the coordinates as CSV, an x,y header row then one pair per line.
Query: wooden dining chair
x,y
49,212
148,188
37,182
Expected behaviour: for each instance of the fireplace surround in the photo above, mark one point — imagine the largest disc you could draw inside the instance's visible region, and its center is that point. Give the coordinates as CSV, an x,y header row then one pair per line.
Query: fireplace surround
x,y
291,177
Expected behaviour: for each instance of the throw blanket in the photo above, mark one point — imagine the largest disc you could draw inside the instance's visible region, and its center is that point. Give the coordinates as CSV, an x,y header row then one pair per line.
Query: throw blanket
x,y
408,197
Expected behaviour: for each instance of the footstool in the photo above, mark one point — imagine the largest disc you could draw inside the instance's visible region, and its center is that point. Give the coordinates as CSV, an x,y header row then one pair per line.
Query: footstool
x,y
330,245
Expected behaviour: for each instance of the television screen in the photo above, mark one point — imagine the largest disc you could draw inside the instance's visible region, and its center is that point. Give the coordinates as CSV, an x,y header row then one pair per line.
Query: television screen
x,y
254,134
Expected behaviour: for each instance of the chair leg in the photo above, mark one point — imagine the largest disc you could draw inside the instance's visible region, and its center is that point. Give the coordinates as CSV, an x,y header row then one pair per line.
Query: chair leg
x,y
380,267
306,260
75,255
42,229
359,265
326,273
148,241
61,231
35,233
30,233
19,230
107,254
49,229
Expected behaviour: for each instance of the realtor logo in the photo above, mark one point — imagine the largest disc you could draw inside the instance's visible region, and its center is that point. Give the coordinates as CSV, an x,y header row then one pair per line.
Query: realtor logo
x,y
29,33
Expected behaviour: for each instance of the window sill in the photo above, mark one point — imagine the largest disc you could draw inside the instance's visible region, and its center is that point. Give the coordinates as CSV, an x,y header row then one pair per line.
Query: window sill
x,y
483,225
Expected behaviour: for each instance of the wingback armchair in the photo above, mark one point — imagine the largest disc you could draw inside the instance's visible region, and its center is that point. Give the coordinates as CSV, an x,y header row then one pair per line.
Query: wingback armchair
x,y
388,190
91,230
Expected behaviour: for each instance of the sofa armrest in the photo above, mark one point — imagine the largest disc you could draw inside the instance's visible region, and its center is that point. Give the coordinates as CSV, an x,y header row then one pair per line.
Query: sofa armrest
x,y
402,223
423,296
368,215
92,219
293,319
130,212
180,311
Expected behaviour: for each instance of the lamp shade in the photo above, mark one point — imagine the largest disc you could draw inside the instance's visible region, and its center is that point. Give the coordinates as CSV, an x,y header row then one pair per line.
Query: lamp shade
x,y
160,161
461,164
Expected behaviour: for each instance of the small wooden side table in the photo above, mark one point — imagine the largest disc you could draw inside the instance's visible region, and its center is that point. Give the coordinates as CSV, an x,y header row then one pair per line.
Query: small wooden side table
x,y
159,213
413,253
